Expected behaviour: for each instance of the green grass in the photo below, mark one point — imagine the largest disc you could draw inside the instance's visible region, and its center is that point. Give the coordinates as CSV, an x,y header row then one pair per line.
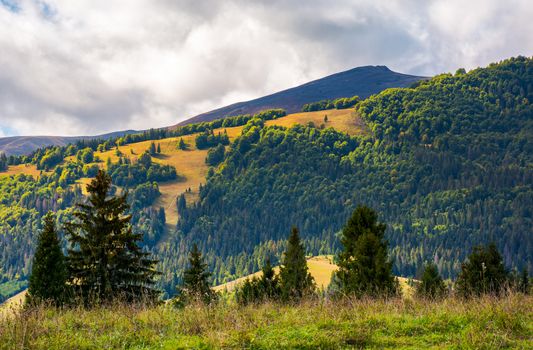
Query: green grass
x,y
478,324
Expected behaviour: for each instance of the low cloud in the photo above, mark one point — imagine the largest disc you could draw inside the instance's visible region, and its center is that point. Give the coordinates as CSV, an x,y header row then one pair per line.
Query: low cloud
x,y
88,67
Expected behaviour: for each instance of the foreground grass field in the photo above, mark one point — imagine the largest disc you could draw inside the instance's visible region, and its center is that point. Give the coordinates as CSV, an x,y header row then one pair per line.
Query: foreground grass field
x,y
395,324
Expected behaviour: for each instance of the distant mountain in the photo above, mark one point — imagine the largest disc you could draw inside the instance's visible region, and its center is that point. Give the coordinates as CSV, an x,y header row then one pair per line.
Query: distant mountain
x,y
19,145
361,81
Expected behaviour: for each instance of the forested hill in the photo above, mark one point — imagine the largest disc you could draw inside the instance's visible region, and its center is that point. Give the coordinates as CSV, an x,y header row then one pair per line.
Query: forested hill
x,y
360,81
448,165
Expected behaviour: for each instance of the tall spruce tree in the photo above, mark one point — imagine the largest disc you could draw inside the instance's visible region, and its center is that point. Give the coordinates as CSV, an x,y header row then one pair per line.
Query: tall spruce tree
x,y
364,267
105,261
295,279
195,287
483,273
49,273
431,284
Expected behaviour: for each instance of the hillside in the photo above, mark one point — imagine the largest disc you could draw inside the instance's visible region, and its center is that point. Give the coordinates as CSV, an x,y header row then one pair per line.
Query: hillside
x,y
446,166
361,81
190,165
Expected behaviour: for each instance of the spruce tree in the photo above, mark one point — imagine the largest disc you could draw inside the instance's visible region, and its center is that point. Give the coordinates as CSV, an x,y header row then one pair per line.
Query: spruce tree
x,y
195,287
105,261
431,284
364,267
152,149
49,273
295,279
158,148
483,273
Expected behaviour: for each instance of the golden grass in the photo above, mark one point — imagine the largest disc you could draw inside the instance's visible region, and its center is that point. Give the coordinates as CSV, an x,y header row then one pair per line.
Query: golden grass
x,y
27,169
344,120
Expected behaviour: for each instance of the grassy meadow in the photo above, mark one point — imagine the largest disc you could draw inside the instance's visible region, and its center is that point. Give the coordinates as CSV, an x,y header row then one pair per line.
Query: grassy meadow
x,y
485,323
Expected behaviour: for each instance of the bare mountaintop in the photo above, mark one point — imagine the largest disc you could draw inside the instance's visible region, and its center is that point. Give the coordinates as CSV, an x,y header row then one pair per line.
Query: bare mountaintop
x,y
361,81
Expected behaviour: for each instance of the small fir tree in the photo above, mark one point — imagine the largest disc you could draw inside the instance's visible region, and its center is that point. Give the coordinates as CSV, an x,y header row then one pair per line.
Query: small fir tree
x,y
431,285
483,273
105,261
49,273
152,149
196,286
364,267
295,279
326,118
158,148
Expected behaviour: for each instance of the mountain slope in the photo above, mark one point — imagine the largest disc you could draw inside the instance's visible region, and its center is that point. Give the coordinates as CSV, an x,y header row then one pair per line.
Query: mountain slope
x,y
448,167
361,81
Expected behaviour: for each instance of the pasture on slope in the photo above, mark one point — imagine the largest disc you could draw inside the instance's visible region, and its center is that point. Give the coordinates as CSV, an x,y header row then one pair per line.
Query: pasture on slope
x,y
190,164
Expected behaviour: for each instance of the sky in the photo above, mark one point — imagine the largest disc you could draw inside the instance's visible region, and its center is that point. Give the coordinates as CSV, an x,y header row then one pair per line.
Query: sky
x,y
76,67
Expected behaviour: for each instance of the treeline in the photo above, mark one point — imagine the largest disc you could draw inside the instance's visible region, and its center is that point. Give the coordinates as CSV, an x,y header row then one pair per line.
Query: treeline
x,y
339,103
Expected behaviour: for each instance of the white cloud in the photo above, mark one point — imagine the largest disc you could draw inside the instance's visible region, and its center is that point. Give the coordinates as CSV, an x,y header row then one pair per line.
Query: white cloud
x,y
86,67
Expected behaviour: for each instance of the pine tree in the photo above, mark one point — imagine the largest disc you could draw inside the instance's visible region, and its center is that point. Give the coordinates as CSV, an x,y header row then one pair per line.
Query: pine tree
x,y
49,273
431,284
295,279
106,261
195,286
364,267
158,148
483,273
152,149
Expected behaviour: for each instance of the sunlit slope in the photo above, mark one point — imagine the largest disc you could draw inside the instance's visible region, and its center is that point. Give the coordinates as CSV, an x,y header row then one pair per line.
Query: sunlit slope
x,y
320,267
190,164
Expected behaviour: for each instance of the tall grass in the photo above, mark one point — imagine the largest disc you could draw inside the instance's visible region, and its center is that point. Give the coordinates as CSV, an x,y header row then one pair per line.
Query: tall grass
x,y
485,323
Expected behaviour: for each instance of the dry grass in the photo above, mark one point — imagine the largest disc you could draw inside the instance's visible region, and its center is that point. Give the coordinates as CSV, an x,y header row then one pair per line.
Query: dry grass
x,y
485,323
27,169
345,120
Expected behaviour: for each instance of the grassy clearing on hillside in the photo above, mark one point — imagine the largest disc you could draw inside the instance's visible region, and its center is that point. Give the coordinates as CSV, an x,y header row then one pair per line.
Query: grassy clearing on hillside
x,y
396,324
344,120
27,169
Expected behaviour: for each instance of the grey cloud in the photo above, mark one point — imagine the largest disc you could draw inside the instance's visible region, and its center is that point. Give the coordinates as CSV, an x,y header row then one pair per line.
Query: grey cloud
x,y
97,66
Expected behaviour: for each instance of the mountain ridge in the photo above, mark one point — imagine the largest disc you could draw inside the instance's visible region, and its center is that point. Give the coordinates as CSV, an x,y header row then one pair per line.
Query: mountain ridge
x,y
341,84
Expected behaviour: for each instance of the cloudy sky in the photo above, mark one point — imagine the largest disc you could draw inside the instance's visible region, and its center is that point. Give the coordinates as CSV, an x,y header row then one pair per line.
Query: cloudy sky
x,y
73,67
